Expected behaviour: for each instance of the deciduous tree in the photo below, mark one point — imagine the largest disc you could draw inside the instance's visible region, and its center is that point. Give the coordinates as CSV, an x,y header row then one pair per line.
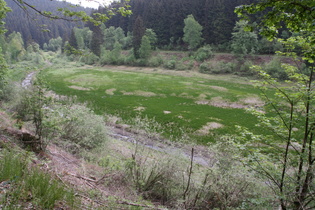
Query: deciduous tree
x,y
244,42
290,168
192,32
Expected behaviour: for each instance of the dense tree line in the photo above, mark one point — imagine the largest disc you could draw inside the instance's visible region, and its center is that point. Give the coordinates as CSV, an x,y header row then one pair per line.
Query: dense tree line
x,y
166,18
34,27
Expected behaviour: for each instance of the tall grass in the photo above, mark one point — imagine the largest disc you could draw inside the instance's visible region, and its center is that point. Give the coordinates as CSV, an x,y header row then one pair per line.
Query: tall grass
x,y
27,184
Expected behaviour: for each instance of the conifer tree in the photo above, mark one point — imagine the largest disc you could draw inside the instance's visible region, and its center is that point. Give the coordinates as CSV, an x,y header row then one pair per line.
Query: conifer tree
x,y
138,32
73,40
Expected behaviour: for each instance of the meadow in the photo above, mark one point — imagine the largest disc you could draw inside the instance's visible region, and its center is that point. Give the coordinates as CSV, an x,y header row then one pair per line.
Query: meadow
x,y
197,106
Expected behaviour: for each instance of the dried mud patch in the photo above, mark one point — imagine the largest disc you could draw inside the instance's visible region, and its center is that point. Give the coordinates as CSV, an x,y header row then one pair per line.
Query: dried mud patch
x,y
139,108
206,129
140,93
219,88
253,100
242,104
78,88
110,91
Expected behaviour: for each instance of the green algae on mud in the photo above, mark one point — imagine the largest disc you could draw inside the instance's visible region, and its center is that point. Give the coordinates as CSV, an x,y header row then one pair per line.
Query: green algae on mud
x,y
183,103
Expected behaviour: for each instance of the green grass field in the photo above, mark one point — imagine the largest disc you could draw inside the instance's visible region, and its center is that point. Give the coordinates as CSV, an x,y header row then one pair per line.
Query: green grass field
x,y
201,106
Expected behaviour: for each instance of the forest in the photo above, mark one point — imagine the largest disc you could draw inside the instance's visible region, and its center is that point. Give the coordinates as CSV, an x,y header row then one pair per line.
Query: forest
x,y
160,104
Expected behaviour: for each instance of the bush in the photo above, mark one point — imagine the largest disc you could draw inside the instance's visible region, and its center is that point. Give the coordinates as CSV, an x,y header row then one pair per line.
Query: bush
x,y
156,179
245,69
185,64
155,61
217,67
274,69
90,59
76,125
170,64
203,53
130,59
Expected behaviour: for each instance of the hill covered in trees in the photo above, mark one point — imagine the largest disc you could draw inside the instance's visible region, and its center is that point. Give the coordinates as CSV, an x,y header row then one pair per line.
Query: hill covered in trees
x,y
36,28
166,18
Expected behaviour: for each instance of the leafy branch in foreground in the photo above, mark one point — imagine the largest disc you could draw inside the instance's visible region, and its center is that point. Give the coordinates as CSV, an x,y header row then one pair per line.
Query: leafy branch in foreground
x,y
290,112
70,14
290,165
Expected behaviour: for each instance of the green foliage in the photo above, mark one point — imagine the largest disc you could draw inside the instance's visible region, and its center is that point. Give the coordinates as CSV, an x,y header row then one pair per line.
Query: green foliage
x,y
185,64
3,10
113,35
90,59
26,184
34,54
54,44
83,37
292,170
11,166
274,69
137,34
245,68
3,74
96,41
296,16
155,61
222,182
170,64
127,41
15,48
192,32
189,99
218,67
76,125
112,56
154,179
145,48
203,53
152,37
46,190
269,47
73,40
227,183
244,42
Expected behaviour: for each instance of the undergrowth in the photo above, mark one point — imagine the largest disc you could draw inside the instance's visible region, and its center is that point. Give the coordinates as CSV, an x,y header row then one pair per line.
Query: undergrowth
x,y
27,185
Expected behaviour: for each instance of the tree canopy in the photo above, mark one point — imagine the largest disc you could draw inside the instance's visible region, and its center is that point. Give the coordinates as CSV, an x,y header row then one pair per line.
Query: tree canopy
x,y
192,32
293,103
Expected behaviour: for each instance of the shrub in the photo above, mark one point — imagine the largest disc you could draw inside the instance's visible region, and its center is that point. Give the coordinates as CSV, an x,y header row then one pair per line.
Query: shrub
x,y
90,59
217,67
130,59
170,64
245,69
155,61
275,69
203,53
185,64
76,125
227,183
156,179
